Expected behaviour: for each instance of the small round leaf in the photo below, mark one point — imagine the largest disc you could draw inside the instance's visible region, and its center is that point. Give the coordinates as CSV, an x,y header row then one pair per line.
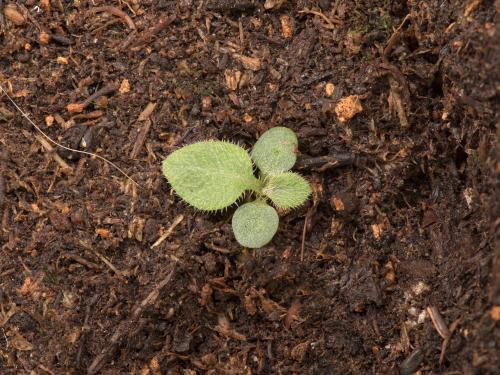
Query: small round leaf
x,y
287,189
209,175
255,224
276,150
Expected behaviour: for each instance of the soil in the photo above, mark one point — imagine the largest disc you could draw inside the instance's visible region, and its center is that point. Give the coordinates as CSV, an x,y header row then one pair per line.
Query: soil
x,y
392,267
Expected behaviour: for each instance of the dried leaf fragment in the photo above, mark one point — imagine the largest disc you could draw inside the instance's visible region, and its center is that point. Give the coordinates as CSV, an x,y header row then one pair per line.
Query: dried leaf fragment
x,y
348,107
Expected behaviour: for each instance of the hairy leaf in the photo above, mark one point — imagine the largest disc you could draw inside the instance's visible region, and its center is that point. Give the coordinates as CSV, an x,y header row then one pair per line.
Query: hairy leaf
x,y
275,151
255,224
210,175
286,190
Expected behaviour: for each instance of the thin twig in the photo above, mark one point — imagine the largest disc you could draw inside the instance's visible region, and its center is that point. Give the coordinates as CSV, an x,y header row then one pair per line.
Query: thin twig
x,y
168,232
116,12
395,37
60,145
331,22
303,241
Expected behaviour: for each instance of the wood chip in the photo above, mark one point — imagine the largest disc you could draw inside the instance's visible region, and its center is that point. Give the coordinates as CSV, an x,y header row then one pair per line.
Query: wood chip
x,y
75,107
286,27
147,112
44,38
251,63
377,230
12,13
224,328
348,107
471,7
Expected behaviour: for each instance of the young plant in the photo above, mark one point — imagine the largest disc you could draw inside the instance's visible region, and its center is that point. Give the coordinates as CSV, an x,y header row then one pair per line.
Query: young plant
x,y
212,175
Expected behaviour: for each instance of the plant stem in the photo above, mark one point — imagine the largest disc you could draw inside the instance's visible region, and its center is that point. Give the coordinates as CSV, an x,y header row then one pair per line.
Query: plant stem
x,y
255,185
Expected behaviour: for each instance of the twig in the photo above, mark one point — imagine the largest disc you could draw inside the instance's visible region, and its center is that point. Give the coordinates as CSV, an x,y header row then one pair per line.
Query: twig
x,y
143,133
79,107
147,35
60,145
110,265
125,325
394,37
317,190
115,12
438,322
81,260
324,163
219,249
169,231
46,145
331,22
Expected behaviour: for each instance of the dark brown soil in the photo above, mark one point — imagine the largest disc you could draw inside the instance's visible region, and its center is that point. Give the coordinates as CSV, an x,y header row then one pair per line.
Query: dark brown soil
x,y
399,267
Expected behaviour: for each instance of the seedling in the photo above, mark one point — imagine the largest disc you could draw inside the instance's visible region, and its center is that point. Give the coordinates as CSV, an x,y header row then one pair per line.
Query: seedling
x,y
212,175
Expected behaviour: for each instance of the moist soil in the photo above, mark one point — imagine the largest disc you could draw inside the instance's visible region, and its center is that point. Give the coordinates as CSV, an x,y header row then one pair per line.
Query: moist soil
x,y
392,266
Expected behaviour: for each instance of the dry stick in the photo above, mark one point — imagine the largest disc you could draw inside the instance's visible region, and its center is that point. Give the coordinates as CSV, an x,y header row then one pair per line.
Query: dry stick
x,y
162,24
116,12
141,137
330,22
60,145
46,145
2,21
169,231
125,325
395,37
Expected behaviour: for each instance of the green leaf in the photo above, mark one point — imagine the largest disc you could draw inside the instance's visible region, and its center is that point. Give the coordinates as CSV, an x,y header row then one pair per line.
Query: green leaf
x,y
255,224
210,175
286,190
276,150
